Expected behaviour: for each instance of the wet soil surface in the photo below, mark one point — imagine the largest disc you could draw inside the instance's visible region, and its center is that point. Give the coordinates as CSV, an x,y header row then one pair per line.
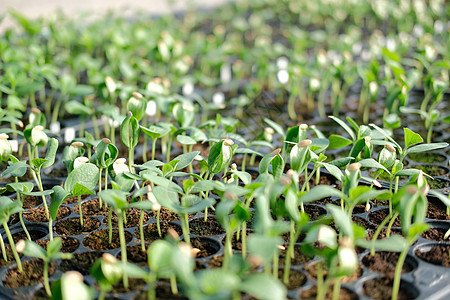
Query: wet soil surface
x,y
34,235
436,234
151,231
314,211
378,216
385,263
39,214
99,240
92,208
135,255
75,199
9,255
206,247
210,227
32,274
437,255
381,289
132,218
73,227
69,244
299,257
296,279
81,262
31,201
344,294
437,210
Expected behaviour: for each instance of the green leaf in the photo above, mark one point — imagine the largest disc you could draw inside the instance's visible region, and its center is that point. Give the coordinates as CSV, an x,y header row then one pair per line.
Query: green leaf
x,y
386,135
129,132
218,281
319,192
38,162
54,246
163,182
341,162
394,243
186,140
85,174
263,246
215,158
58,197
34,250
291,203
443,198
411,138
276,127
20,187
52,148
335,171
342,220
371,163
185,160
117,199
76,108
40,193
160,257
345,126
155,131
79,190
425,147
337,141
203,186
264,287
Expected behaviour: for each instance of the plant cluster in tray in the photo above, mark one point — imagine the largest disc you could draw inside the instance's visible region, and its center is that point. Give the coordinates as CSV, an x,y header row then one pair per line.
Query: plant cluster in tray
x,y
162,158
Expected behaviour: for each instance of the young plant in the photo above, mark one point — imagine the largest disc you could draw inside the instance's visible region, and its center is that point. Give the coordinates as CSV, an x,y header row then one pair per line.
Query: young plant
x,y
71,287
31,249
105,155
106,272
129,135
7,209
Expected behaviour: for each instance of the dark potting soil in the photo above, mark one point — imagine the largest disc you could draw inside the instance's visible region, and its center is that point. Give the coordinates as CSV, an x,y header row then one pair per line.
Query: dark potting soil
x,y
32,274
324,180
132,218
75,199
81,262
437,210
381,289
166,215
299,257
296,279
314,211
378,216
57,172
344,294
431,170
21,235
385,262
69,244
40,294
9,255
38,214
163,292
435,234
325,201
92,208
287,237
134,284
99,240
151,231
206,247
72,226
437,255
210,227
215,262
31,201
14,219
236,244
135,255
312,271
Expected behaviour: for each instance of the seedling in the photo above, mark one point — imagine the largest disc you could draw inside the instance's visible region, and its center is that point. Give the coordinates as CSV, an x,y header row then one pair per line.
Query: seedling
x,y
31,249
7,209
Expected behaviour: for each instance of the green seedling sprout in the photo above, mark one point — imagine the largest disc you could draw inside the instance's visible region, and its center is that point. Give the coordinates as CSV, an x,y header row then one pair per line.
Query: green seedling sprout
x,y
31,249
72,152
154,132
105,155
7,209
107,271
20,188
80,109
129,135
71,287
82,180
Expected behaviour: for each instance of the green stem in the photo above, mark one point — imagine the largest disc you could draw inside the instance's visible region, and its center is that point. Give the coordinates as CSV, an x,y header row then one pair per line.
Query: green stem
x,y
46,282
337,288
2,244
244,161
275,264
398,273
96,130
110,225
80,211
320,284
100,188
158,225
13,247
141,229
154,150
102,295
185,228
388,231
23,226
244,239
50,228
173,284
123,246
377,232
41,188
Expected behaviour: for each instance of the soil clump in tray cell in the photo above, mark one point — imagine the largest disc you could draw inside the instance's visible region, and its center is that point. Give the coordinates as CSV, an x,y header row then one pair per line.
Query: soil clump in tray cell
x,y
32,274
312,270
314,211
151,231
9,255
381,289
69,244
206,246
166,215
99,240
296,279
344,294
378,216
92,208
437,255
73,227
132,215
210,227
38,214
35,234
81,262
385,262
136,255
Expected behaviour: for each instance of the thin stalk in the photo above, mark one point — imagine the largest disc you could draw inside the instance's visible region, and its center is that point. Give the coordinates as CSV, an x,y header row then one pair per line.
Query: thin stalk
x,y
398,273
388,231
377,232
151,295
169,147
21,213
100,188
102,295
2,244
56,109
81,130
50,228
46,282
321,291
110,225
154,149
13,248
96,130
80,211
275,264
173,284
185,228
228,250
337,288
41,188
141,229
123,246
290,253
244,161
158,225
